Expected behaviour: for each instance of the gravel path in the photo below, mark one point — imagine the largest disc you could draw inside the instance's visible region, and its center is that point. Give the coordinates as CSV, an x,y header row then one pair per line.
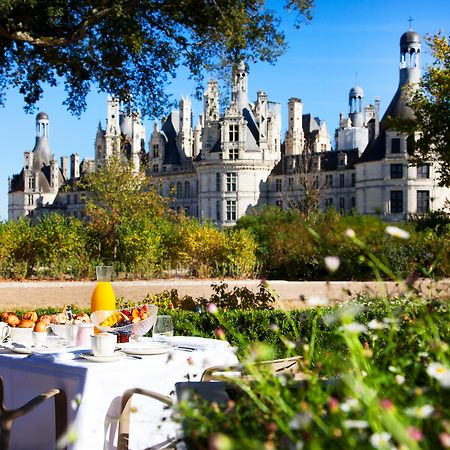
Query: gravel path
x,y
34,294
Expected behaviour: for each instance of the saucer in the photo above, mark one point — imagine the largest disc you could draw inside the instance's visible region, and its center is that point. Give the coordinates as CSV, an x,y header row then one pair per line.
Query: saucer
x,y
110,358
25,349
145,348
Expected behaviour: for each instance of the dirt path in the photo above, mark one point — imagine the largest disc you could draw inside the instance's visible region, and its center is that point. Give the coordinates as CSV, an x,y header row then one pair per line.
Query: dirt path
x,y
34,294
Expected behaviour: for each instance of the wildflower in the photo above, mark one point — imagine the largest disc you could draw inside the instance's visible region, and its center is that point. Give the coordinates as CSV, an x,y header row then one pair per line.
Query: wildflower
x,y
350,233
332,263
421,412
439,372
333,404
212,308
376,325
353,327
274,327
380,440
351,404
356,424
220,333
399,379
220,441
445,439
392,369
415,434
397,232
300,421
386,403
317,300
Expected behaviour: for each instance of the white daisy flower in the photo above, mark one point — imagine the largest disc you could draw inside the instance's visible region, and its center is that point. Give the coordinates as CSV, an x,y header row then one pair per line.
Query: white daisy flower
x,y
356,424
376,325
353,327
332,263
399,379
421,412
380,440
317,300
351,404
397,232
350,233
439,372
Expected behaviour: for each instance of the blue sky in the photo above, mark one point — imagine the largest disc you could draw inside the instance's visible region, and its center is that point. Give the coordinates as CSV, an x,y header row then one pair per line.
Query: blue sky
x,y
344,38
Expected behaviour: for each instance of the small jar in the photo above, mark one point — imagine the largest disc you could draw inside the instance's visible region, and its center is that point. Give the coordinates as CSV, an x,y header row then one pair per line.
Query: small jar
x,y
123,337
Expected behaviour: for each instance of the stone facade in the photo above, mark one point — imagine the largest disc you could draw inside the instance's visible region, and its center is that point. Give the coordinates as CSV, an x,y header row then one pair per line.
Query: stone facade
x,y
234,160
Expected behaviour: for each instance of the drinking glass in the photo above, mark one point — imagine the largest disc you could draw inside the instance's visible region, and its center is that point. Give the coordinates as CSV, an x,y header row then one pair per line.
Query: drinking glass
x,y
163,327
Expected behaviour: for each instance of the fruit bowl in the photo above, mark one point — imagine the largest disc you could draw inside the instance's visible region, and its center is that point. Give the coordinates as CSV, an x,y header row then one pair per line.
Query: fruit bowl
x,y
136,321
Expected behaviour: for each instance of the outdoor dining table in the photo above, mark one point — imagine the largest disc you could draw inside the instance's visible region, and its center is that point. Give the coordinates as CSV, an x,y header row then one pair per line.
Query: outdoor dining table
x,y
94,392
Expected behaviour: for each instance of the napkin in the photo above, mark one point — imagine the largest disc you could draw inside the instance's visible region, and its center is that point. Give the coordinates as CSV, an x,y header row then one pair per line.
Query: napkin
x,y
59,355
196,343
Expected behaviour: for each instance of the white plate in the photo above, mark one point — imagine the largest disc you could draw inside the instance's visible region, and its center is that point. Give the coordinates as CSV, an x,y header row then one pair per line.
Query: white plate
x,y
145,348
24,349
110,358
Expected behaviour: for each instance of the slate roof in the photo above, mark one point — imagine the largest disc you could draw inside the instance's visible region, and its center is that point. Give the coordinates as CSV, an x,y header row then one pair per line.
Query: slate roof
x,y
171,155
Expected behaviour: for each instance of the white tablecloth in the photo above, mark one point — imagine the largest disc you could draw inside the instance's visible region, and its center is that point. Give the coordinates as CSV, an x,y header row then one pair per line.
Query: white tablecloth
x,y
94,393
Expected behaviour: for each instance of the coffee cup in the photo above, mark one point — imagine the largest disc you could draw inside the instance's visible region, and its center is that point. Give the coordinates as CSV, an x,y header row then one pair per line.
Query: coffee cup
x,y
4,331
103,344
21,335
39,338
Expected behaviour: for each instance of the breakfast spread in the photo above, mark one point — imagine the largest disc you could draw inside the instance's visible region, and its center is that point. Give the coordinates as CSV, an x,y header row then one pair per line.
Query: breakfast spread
x,y
30,319
126,316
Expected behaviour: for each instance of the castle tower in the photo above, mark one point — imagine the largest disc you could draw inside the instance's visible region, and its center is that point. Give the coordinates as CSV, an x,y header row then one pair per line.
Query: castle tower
x,y
185,135
211,101
409,58
239,93
355,102
41,152
294,134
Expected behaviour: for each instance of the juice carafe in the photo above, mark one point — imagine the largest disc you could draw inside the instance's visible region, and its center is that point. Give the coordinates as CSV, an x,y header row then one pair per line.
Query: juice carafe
x,y
103,297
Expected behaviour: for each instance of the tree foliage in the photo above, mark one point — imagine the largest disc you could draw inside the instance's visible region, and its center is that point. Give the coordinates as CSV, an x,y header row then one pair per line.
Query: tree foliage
x,y
131,48
119,199
431,105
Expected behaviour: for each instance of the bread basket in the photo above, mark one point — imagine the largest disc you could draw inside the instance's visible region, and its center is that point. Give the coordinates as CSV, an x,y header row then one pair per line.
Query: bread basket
x,y
136,329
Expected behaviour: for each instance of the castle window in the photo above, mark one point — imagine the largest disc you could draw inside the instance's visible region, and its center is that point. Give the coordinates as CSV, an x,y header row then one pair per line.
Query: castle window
x,y
342,204
328,203
231,181
231,210
423,171
423,201
75,199
218,208
179,189
30,200
155,168
233,153
155,151
187,189
290,184
353,179
329,181
395,145
341,180
218,182
233,132
353,202
396,202
278,185
396,170
31,183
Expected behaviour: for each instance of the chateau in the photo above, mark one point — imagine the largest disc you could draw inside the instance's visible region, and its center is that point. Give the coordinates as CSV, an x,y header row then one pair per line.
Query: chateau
x,y
234,160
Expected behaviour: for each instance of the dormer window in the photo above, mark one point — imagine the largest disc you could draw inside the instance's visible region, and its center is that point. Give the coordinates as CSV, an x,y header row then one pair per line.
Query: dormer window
x,y
233,133
395,145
